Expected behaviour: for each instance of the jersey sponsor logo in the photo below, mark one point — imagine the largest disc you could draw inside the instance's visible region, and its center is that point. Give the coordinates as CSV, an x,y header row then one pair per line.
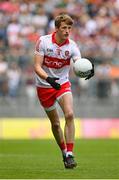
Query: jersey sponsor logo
x,y
56,63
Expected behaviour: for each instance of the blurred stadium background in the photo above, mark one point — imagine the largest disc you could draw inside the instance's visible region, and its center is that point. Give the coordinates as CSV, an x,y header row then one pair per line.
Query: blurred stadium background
x,y
96,102
96,31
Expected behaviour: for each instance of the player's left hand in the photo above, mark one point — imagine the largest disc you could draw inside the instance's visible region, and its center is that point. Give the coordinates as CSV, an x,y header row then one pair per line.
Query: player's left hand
x,y
91,74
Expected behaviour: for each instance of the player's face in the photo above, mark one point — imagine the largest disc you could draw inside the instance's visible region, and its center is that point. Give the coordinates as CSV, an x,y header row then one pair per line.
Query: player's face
x,y
64,30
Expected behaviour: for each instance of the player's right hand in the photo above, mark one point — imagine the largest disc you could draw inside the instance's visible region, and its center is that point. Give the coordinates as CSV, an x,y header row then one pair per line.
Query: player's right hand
x,y
53,83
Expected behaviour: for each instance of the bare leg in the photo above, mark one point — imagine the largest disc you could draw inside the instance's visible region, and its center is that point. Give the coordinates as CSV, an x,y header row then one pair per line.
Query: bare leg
x,y
55,125
66,103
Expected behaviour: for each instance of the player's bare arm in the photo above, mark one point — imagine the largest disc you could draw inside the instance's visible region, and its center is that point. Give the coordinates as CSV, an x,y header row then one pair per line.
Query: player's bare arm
x,y
38,61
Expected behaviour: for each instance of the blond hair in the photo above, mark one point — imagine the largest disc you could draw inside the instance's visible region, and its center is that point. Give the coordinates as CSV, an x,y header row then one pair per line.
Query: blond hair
x,y
63,18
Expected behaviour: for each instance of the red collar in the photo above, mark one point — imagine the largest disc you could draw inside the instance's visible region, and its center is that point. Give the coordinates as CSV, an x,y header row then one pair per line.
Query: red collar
x,y
61,44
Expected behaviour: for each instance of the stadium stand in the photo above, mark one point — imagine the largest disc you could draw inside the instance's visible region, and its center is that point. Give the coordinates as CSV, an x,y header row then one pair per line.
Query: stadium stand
x,y
96,33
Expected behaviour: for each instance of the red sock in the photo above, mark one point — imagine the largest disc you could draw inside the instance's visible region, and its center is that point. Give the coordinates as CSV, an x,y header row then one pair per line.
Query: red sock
x,y
70,146
62,146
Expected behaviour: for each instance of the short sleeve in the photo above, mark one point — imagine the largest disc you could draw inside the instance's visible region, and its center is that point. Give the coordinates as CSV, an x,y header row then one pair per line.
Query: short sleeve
x,y
39,48
75,51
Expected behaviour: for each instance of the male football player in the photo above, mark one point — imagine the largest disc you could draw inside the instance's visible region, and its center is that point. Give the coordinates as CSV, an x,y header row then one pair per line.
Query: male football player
x,y
53,55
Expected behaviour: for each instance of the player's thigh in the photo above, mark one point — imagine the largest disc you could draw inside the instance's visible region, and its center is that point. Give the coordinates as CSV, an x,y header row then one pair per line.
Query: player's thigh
x,y
53,116
66,103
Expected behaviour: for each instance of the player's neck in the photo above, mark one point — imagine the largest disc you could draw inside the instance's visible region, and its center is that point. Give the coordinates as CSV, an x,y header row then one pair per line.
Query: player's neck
x,y
58,39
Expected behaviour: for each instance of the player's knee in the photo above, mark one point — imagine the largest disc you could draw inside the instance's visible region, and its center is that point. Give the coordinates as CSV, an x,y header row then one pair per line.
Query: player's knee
x,y
56,125
69,115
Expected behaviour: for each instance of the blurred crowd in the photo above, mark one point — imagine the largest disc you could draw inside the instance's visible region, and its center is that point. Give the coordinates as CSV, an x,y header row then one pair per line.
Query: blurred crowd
x,y
96,31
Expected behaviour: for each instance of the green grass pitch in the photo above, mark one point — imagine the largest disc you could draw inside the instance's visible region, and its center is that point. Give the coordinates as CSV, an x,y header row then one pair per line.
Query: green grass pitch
x,y
41,159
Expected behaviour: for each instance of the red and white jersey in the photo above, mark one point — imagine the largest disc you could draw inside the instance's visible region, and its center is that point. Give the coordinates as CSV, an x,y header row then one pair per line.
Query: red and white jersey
x,y
57,58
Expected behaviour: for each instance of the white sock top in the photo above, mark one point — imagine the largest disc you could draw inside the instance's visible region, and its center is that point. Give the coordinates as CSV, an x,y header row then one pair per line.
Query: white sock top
x,y
69,153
